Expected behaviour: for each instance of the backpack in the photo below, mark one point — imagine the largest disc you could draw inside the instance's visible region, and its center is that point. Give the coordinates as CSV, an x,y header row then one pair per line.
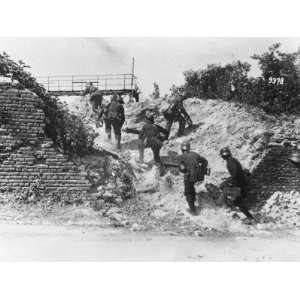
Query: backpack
x,y
114,112
202,170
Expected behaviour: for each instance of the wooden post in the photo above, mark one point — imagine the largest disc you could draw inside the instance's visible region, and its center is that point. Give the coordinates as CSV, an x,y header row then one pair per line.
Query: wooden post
x,y
132,75
48,83
72,83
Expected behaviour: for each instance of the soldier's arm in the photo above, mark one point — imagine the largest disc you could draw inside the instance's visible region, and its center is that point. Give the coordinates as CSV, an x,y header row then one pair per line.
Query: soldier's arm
x,y
162,130
142,134
184,112
202,161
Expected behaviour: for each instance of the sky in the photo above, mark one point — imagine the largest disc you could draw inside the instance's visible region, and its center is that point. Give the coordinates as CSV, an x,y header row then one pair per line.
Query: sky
x,y
161,60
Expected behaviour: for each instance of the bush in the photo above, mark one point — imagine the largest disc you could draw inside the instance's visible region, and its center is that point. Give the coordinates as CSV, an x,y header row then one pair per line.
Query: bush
x,y
214,82
280,95
65,129
231,82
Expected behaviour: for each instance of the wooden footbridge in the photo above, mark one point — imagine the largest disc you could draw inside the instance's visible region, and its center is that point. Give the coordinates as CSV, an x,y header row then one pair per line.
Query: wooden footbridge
x,y
108,84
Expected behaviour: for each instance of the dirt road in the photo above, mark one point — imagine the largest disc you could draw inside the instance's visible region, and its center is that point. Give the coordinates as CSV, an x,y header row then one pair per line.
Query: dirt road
x,y
64,243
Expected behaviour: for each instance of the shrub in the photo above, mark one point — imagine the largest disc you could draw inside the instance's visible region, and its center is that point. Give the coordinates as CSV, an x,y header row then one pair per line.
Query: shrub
x,y
231,82
274,64
65,129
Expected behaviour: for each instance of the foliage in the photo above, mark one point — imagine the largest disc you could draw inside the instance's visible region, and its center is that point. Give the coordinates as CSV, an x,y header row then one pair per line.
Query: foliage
x,y
215,81
232,83
64,128
276,64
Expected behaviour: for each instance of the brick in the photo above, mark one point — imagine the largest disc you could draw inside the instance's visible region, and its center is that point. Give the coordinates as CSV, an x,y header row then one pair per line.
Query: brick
x,y
18,168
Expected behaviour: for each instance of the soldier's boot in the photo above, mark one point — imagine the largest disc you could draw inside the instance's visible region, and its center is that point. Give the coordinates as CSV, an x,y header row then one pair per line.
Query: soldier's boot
x,y
118,138
240,204
191,202
141,154
181,128
246,212
156,155
168,127
162,170
108,130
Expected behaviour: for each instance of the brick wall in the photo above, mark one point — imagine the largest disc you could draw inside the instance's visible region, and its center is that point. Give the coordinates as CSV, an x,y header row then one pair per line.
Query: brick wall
x,y
274,173
26,154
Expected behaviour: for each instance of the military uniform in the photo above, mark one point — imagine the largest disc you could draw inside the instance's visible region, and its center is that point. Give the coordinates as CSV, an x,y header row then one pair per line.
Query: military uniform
x,y
177,113
96,99
116,117
150,137
195,168
238,179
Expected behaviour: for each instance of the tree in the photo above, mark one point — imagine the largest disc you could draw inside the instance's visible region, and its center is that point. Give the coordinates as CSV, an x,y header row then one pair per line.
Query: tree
x,y
277,90
215,81
65,129
280,84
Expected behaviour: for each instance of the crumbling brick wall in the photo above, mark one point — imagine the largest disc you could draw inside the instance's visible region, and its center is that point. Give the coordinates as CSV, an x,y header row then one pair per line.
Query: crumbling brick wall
x,y
274,173
26,154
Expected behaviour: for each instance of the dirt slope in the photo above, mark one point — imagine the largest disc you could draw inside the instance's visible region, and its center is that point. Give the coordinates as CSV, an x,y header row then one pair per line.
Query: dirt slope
x,y
216,124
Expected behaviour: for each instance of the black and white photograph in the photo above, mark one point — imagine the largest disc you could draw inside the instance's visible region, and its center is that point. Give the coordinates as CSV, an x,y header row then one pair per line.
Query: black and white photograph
x,y
149,149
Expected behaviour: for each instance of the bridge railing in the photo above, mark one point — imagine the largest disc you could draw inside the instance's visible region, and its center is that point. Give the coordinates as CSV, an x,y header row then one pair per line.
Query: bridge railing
x,y
78,83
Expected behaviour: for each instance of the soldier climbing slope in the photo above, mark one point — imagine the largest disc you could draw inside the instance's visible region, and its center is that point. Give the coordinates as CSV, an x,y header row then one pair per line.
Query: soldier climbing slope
x,y
104,117
95,99
194,167
89,89
237,179
151,136
116,118
177,113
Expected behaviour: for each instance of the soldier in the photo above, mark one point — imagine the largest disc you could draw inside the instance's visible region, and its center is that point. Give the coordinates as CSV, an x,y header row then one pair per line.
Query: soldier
x,y
177,113
105,119
237,179
116,118
150,136
96,99
89,89
194,168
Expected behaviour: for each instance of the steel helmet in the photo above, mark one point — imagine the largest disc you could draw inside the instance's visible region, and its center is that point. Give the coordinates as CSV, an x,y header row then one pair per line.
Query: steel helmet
x,y
149,115
185,146
225,152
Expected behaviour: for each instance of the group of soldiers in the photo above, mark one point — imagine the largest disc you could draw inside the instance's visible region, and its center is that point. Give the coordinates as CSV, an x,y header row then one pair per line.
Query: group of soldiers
x,y
191,164
111,114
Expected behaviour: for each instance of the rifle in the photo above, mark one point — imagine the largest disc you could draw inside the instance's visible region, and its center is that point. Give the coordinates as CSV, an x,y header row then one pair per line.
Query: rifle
x,y
132,130
171,164
163,136
182,167
164,131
